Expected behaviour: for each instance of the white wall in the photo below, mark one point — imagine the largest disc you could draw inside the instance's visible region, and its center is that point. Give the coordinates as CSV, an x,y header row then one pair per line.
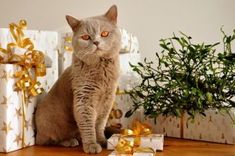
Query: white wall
x,y
150,20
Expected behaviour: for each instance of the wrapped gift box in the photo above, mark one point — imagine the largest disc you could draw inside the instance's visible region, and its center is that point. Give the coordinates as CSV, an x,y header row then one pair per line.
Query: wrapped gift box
x,y
154,141
45,41
130,42
17,131
114,153
117,118
66,50
11,115
169,126
215,127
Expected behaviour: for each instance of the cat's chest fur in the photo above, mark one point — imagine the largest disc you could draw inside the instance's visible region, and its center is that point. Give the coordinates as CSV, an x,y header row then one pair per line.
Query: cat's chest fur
x,y
101,77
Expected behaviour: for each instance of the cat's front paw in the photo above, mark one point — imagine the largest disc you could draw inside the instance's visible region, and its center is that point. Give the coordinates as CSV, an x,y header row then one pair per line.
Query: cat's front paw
x,y
92,148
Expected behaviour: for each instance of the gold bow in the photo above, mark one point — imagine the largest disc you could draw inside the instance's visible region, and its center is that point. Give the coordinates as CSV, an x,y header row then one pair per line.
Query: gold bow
x,y
31,59
128,147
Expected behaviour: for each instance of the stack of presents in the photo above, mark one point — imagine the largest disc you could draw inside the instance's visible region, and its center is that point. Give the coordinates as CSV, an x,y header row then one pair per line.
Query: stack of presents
x,y
24,76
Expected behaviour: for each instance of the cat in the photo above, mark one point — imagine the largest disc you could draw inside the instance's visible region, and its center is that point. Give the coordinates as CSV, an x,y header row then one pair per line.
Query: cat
x,y
79,103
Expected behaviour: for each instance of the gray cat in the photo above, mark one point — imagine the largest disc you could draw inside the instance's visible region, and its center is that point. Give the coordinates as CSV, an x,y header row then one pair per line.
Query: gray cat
x,y
79,103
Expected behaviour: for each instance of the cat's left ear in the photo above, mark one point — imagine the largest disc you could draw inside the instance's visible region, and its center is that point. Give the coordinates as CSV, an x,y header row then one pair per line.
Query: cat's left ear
x,y
73,22
112,14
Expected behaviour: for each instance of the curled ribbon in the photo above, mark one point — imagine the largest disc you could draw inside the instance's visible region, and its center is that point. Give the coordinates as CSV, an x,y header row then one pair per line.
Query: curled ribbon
x,y
31,59
128,147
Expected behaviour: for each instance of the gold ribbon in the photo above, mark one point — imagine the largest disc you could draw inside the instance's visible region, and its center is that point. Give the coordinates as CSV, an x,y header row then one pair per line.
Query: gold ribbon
x,y
67,43
120,92
128,147
31,59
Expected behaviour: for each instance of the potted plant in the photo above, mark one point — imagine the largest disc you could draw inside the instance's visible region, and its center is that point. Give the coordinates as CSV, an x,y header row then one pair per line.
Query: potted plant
x,y
187,78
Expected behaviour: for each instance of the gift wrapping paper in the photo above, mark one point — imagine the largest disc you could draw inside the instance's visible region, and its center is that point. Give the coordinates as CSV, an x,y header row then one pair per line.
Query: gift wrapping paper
x,y
66,50
214,127
154,141
11,115
130,43
45,41
169,126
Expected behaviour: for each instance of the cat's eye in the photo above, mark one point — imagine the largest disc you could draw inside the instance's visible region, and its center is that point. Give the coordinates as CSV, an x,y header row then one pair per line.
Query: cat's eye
x,y
104,34
85,37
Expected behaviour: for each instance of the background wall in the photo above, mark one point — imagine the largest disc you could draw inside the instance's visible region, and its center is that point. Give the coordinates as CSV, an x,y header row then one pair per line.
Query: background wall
x,y
149,20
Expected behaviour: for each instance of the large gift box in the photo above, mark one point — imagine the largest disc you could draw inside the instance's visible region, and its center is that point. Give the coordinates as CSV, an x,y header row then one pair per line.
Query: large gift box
x,y
17,104
16,128
214,127
66,50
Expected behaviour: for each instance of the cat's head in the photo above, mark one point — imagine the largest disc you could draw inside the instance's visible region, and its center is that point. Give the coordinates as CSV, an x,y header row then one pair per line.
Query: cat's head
x,y
96,37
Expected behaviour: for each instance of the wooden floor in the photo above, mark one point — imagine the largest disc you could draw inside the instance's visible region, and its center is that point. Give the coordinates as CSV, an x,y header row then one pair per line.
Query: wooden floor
x,y
172,147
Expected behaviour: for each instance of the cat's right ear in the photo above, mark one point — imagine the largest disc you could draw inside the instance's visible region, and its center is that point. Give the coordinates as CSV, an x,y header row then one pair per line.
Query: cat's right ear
x,y
73,22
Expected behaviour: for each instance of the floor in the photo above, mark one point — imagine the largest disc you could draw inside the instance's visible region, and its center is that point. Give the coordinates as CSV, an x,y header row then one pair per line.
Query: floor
x,y
172,147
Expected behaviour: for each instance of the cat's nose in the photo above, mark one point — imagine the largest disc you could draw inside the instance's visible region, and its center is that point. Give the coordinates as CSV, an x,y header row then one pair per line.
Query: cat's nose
x,y
96,43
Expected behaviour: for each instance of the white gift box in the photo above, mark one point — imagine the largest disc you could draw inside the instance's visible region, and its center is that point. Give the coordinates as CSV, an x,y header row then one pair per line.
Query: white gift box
x,y
169,126
65,53
154,141
128,78
47,42
10,101
122,104
130,42
11,115
215,127
44,41
114,153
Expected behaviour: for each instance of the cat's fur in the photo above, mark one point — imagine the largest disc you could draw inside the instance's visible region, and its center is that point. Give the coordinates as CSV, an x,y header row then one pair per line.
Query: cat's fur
x,y
79,103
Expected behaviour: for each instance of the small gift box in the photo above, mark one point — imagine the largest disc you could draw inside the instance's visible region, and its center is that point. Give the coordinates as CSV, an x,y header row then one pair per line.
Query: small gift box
x,y
140,138
154,141
114,153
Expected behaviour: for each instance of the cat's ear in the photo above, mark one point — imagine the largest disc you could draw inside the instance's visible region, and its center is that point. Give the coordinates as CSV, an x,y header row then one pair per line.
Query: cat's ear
x,y
73,22
112,14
